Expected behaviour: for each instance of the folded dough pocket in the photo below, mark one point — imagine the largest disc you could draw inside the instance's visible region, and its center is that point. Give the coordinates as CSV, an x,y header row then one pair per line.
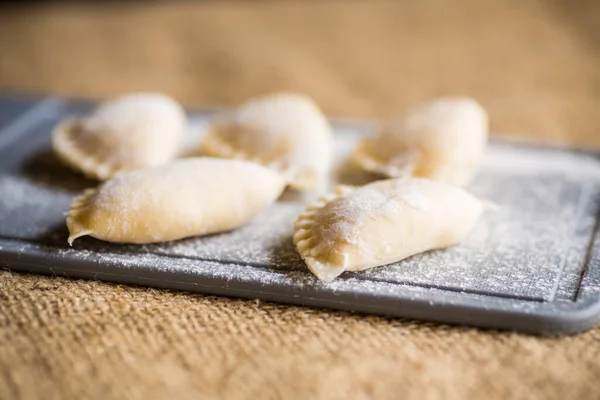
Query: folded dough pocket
x,y
286,132
184,198
442,140
131,132
381,223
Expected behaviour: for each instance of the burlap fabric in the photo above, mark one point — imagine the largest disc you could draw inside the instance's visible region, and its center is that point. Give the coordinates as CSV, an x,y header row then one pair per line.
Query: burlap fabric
x,y
534,65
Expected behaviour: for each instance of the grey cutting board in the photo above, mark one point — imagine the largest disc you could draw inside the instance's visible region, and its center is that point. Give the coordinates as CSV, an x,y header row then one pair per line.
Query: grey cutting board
x,y
533,265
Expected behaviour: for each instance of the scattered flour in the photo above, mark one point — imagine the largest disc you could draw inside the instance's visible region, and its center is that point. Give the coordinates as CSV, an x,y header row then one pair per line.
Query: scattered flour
x,y
548,201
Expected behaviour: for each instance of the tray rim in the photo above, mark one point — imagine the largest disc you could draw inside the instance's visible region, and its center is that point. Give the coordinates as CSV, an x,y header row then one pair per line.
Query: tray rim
x,y
552,317
485,311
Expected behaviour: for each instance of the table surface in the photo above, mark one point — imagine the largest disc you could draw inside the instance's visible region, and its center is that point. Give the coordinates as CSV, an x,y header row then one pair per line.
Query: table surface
x,y
534,65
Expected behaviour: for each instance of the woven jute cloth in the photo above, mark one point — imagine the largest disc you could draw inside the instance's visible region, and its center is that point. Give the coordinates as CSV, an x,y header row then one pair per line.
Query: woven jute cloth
x,y
534,65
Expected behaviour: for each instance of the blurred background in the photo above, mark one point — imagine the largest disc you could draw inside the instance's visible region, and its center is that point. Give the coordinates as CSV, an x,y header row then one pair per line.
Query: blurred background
x,y
535,65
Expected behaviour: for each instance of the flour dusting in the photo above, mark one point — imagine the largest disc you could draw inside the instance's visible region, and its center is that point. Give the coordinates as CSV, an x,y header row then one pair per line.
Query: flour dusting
x,y
532,247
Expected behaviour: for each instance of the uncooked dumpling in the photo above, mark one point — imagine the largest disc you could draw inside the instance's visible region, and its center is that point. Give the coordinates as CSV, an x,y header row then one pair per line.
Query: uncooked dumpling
x,y
286,132
381,223
443,140
184,198
131,132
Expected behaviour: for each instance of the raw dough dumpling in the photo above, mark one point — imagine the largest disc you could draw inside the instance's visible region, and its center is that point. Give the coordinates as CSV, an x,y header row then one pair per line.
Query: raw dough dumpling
x,y
184,198
131,132
443,140
381,223
286,132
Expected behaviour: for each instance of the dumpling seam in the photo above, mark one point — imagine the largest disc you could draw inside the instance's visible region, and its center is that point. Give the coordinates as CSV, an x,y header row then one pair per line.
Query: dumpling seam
x,y
294,176
72,155
81,202
303,236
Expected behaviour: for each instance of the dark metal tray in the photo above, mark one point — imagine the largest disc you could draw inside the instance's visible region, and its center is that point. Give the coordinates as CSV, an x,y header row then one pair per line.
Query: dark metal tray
x,y
533,265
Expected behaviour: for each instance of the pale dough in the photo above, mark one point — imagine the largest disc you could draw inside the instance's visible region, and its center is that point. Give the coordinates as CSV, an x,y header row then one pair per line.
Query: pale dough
x,y
184,198
383,222
286,132
442,140
131,132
